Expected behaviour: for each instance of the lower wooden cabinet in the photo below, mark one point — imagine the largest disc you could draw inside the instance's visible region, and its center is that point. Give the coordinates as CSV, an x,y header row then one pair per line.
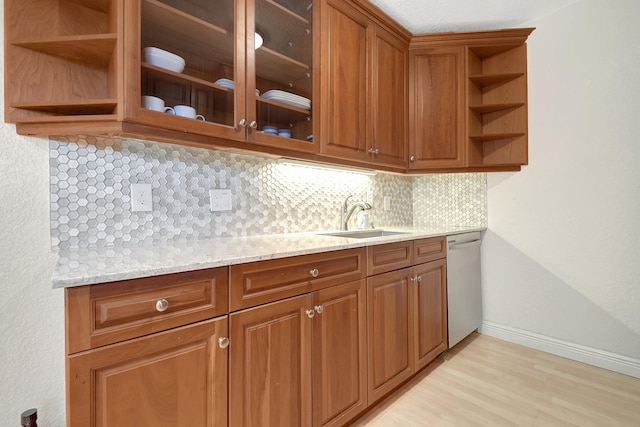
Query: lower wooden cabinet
x,y
406,314
339,355
429,298
300,361
388,322
168,379
270,364
165,352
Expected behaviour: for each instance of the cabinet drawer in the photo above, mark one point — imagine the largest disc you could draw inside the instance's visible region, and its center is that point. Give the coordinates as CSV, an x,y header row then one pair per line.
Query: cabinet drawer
x,y
389,257
266,281
98,315
426,250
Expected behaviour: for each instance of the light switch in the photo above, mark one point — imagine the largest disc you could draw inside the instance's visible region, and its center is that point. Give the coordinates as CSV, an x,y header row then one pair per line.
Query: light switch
x,y
220,200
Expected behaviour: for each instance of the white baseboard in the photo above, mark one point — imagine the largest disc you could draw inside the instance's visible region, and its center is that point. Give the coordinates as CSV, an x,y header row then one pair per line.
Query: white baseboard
x,y
592,356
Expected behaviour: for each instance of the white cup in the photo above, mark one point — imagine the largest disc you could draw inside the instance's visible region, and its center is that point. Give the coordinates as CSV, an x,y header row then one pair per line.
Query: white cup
x,y
185,111
153,103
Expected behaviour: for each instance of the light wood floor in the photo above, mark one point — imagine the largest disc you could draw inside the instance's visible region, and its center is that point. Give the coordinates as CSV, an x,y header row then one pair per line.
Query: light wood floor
x,y
488,382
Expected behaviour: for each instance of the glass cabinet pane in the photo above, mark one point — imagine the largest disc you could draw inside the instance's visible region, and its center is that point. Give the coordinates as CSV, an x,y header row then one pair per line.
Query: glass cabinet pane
x,y
202,34
283,68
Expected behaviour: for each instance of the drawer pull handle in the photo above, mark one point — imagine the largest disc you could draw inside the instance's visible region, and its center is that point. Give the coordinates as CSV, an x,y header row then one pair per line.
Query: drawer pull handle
x,y
162,305
223,342
315,272
311,313
319,309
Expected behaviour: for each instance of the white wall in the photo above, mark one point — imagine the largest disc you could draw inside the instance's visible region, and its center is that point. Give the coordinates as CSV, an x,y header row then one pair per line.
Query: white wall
x,y
31,313
562,254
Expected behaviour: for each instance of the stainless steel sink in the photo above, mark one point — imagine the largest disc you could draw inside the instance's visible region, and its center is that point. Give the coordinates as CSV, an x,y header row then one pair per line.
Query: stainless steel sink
x,y
363,234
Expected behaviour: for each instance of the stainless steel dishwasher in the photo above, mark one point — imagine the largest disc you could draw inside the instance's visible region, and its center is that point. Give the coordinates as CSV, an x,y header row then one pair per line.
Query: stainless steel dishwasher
x,y
464,295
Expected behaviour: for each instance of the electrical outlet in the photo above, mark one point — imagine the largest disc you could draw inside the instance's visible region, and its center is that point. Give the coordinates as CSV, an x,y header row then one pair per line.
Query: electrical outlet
x,y
387,203
141,199
220,200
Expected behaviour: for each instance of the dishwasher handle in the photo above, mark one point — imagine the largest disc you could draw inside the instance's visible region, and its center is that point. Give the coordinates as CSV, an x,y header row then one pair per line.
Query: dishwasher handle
x,y
458,246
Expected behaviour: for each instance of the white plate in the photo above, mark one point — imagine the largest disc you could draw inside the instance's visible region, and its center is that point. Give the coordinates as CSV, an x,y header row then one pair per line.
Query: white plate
x,y
291,100
282,95
229,84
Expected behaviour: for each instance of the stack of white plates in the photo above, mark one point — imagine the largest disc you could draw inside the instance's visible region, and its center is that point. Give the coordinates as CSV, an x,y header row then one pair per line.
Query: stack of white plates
x,y
230,85
288,98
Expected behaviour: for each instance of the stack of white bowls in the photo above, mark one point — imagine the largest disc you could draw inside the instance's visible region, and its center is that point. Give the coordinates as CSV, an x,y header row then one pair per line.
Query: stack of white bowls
x,y
163,59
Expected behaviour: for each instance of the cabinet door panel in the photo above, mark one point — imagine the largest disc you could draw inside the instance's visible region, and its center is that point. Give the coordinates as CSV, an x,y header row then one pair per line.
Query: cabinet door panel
x,y
390,347
430,306
270,365
436,108
172,378
389,93
344,95
339,354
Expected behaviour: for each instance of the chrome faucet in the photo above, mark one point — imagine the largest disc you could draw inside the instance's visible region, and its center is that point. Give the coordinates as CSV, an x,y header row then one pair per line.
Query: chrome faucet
x,y
346,213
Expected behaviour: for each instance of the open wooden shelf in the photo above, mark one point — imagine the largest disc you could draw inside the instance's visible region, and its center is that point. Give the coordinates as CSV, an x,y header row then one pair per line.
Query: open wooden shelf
x,y
493,108
484,52
99,5
484,80
94,48
495,136
81,107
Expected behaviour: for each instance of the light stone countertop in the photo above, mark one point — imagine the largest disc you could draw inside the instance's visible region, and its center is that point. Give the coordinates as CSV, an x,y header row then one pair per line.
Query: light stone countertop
x,y
101,265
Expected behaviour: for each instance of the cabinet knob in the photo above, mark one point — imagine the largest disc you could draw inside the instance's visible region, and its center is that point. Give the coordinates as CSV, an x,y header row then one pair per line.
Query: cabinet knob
x,y
319,309
373,151
419,278
311,313
315,272
162,305
223,342
412,159
412,279
243,123
253,124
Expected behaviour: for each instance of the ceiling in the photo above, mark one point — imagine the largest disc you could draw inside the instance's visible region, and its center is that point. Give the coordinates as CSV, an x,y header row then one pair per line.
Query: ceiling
x,y
434,16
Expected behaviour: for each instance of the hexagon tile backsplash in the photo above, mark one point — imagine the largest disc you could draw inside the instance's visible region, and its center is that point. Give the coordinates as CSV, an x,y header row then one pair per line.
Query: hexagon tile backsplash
x,y
91,203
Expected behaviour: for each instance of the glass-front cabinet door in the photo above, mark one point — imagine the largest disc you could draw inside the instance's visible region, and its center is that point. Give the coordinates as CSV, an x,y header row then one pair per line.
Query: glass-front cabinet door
x,y
239,70
280,59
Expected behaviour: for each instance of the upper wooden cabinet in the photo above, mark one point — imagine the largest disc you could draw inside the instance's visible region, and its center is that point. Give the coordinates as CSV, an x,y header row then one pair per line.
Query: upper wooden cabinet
x,y
436,94
468,106
351,86
74,54
228,79
364,88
